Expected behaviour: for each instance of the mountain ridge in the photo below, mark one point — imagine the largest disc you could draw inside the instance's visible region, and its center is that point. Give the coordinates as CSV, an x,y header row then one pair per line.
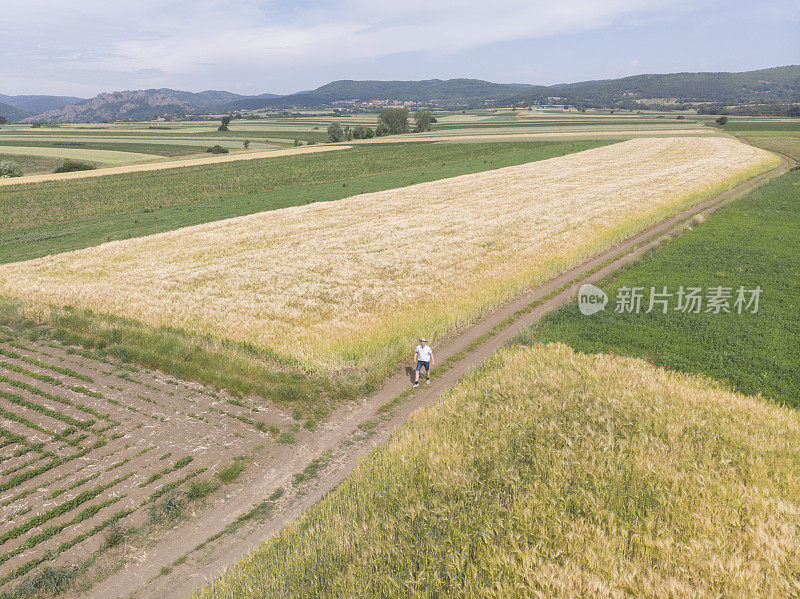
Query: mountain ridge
x,y
772,85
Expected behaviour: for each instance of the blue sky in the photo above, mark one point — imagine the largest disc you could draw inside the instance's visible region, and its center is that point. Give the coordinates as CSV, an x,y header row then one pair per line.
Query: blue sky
x,y
256,46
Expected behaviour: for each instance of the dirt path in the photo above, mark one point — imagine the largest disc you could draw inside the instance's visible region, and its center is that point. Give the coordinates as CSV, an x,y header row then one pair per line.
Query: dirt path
x,y
157,166
356,429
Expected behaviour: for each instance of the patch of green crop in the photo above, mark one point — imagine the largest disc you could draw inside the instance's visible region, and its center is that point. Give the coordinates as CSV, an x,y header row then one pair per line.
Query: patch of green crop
x,y
231,472
754,242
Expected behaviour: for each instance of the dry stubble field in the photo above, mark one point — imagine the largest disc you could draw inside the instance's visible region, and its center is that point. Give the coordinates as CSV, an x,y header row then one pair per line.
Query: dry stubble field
x,y
352,282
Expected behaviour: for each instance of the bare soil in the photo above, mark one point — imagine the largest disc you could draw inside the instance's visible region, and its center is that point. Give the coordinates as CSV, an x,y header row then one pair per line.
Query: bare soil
x,y
73,424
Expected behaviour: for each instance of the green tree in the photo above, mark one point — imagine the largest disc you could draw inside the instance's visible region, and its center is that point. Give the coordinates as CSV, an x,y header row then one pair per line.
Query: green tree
x,y
382,129
335,132
794,111
722,120
396,119
9,169
423,120
246,144
348,133
226,120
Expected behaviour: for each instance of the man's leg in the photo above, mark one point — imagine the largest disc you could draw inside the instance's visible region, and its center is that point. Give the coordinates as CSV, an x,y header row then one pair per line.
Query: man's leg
x,y
416,374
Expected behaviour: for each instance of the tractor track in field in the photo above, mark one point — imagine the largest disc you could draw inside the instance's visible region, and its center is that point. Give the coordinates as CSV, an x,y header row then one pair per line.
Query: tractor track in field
x,y
183,561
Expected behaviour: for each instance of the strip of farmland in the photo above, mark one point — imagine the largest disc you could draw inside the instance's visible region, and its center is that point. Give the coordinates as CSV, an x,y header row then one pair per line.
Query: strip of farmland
x,y
352,282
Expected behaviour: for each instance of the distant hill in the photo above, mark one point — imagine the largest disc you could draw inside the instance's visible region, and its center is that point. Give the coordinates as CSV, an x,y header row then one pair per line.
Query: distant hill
x,y
450,90
206,99
765,86
113,106
147,103
12,113
38,104
779,84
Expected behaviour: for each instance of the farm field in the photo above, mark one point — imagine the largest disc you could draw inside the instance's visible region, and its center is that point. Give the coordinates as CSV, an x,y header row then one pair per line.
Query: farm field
x,y
159,164
31,165
550,472
59,216
370,310
131,143
173,148
777,135
161,463
784,144
493,135
750,243
92,448
137,143
111,157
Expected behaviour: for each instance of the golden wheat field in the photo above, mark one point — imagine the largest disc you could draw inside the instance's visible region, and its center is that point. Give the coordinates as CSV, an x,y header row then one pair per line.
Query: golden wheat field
x,y
351,282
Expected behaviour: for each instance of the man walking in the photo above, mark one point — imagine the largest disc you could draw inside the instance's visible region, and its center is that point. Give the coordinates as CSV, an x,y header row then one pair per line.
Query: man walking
x,y
423,356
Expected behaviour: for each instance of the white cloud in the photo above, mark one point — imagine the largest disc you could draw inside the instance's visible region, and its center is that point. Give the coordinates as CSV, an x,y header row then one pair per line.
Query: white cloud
x,y
353,29
260,45
178,37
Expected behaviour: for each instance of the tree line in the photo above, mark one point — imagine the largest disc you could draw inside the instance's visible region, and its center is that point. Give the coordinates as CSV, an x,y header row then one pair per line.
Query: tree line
x,y
391,121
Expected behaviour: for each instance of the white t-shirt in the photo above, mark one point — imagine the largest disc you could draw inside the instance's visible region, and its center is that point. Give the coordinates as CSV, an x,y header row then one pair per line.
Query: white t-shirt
x,y
424,353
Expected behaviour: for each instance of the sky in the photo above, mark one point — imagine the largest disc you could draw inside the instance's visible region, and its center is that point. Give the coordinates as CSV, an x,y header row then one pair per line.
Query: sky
x,y
279,46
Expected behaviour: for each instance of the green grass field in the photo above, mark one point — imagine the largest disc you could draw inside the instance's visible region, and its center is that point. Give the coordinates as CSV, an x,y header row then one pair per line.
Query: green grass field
x,y
785,144
735,126
32,165
753,242
545,473
58,216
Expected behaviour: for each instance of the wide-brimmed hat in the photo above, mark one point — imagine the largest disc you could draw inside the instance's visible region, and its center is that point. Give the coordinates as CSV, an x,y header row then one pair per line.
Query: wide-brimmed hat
x,y
423,339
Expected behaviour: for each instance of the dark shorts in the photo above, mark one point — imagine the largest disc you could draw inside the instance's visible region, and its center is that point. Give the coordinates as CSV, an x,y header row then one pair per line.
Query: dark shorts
x,y
425,365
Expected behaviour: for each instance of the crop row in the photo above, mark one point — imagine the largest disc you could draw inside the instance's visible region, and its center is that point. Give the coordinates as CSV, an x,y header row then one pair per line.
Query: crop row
x,y
173,485
23,465
177,466
15,438
51,380
51,555
65,507
57,461
51,531
25,403
32,425
53,397
68,371
81,481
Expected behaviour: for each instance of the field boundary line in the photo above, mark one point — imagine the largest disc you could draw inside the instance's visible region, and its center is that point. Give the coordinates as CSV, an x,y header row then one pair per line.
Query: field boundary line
x,y
191,564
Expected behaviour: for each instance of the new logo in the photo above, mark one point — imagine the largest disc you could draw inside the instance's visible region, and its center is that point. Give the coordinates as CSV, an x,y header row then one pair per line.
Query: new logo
x,y
591,299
